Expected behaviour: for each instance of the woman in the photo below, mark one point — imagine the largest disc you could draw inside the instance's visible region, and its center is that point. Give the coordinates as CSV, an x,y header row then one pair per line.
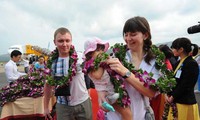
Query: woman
x,y
186,74
137,35
40,65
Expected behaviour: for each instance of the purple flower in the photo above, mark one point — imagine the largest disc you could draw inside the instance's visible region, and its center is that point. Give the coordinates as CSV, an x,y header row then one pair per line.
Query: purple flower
x,y
115,50
74,56
89,64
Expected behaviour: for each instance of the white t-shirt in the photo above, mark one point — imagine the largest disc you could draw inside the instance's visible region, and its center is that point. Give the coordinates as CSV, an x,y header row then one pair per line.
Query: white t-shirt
x,y
104,84
137,102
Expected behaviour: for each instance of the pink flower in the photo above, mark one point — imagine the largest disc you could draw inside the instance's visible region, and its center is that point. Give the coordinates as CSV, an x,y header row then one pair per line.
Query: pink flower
x,y
89,64
100,115
47,71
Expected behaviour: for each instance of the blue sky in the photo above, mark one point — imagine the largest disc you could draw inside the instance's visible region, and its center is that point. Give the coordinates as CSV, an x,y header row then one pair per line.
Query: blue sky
x,y
34,21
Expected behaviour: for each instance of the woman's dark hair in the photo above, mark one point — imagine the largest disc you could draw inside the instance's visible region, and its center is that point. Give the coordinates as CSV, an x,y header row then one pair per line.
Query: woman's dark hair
x,y
186,44
140,24
166,50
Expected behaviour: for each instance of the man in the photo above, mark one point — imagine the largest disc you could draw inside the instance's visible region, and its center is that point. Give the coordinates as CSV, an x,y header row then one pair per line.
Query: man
x,y
11,71
76,105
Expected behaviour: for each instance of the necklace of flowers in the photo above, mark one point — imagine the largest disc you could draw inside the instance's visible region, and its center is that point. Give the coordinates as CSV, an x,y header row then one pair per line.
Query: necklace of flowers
x,y
164,84
71,71
116,79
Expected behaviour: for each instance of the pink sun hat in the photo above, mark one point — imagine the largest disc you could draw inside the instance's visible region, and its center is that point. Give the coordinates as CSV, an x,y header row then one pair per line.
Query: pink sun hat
x,y
91,45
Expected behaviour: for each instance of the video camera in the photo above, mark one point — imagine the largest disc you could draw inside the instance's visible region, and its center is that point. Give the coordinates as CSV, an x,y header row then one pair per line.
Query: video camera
x,y
194,29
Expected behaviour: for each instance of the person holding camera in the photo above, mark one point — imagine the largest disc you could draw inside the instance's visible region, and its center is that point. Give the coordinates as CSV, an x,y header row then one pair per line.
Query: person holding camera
x,y
73,101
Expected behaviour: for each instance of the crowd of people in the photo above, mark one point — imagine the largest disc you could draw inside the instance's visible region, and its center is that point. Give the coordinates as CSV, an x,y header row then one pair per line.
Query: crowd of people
x,y
122,95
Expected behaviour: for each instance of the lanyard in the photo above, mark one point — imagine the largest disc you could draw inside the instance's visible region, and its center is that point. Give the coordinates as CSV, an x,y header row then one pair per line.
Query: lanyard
x,y
179,65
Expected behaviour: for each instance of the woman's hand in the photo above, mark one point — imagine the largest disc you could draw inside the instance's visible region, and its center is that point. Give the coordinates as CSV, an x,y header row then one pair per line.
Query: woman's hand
x,y
117,66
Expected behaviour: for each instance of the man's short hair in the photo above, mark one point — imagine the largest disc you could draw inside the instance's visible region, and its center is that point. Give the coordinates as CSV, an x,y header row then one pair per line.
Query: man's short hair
x,y
15,53
62,31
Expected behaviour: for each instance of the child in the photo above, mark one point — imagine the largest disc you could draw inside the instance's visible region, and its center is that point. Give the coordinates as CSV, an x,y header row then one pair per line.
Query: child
x,y
101,79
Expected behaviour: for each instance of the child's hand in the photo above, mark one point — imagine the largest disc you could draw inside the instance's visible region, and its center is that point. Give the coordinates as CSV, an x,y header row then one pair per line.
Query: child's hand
x,y
102,98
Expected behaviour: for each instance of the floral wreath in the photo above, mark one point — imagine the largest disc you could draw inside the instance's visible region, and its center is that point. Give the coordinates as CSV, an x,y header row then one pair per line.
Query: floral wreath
x,y
116,79
71,71
164,84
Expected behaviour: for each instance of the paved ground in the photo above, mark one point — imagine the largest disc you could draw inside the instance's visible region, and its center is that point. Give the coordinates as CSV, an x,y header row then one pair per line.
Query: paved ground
x,y
3,82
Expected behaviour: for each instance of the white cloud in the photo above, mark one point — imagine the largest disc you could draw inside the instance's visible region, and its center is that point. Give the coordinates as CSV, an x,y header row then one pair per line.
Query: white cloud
x,y
24,22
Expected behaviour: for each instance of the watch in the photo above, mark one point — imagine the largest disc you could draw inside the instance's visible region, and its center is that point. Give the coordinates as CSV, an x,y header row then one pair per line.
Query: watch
x,y
128,74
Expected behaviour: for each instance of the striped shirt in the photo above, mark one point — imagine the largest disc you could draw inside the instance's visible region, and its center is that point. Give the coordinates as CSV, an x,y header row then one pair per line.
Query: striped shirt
x,y
60,68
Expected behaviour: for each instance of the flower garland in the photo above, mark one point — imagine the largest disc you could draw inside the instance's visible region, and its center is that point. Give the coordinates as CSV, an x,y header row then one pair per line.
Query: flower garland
x,y
164,84
166,111
119,51
116,79
71,71
30,85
